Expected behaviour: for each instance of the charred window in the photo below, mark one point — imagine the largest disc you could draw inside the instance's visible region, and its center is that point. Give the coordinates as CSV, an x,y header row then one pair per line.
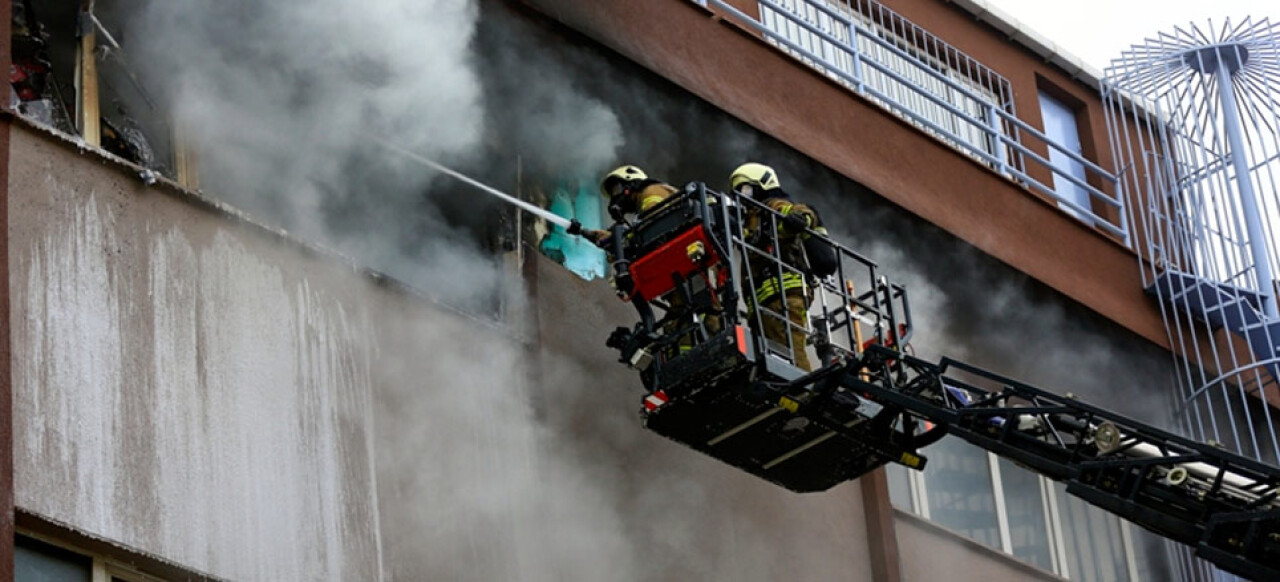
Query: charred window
x,y
72,72
40,76
575,199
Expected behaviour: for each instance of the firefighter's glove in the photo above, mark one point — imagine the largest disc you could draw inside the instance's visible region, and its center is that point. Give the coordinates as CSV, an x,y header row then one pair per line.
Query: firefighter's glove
x,y
619,338
599,237
795,222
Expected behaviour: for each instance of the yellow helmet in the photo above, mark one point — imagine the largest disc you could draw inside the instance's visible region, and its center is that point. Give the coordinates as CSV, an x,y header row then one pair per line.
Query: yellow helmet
x,y
620,175
757,175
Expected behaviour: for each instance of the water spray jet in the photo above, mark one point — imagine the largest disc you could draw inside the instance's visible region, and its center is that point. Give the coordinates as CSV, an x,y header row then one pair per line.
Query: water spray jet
x,y
570,226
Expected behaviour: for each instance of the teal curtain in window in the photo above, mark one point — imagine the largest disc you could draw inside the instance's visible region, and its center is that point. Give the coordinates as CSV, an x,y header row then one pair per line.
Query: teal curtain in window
x,y
575,199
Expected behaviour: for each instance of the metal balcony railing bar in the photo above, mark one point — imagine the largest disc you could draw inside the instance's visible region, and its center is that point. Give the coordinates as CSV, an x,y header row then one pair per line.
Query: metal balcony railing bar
x,y
980,125
989,130
1098,170
947,70
852,51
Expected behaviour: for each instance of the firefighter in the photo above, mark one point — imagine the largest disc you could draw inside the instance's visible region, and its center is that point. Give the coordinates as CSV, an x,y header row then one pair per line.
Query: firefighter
x,y
628,190
786,291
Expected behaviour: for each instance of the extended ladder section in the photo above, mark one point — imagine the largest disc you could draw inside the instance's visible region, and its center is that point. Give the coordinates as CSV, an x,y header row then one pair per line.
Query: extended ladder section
x,y
720,382
1223,505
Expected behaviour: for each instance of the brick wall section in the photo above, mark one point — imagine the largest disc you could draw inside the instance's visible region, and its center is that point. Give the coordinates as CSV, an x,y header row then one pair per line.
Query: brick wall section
x,y
736,71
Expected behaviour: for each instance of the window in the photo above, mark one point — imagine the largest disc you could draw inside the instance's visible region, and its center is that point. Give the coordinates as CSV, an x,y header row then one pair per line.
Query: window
x,y
1095,544
960,493
37,561
1010,509
1060,127
42,559
71,72
1028,515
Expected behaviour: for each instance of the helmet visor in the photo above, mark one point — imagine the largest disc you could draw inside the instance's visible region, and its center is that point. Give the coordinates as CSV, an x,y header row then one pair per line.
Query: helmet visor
x,y
614,188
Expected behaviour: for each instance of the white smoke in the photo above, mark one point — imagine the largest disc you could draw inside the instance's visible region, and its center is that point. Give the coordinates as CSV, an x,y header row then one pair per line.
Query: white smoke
x,y
280,94
281,100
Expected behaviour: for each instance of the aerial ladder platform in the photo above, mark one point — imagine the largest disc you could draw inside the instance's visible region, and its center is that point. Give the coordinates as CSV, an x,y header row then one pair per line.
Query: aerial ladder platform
x,y
715,383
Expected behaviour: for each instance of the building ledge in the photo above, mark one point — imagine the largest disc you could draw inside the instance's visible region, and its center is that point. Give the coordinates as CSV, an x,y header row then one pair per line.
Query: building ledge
x,y
1026,570
153,181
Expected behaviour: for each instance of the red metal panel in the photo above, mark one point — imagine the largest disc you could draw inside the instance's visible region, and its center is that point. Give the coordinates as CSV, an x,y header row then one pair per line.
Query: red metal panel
x,y
654,273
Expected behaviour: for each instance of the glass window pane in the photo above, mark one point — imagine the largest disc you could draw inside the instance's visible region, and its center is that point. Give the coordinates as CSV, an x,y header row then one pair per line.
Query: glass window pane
x,y
1095,552
1060,127
36,561
958,482
899,486
1151,554
1025,505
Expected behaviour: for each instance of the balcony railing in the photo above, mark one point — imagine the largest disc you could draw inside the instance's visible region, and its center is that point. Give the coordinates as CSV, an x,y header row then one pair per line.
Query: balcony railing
x,y
892,62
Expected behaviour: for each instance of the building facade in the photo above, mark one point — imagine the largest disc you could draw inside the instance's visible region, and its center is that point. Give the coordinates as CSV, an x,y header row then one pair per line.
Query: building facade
x,y
201,384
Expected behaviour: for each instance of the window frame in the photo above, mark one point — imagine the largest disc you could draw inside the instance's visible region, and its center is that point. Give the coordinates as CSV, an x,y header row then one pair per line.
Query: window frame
x,y
1054,520
102,568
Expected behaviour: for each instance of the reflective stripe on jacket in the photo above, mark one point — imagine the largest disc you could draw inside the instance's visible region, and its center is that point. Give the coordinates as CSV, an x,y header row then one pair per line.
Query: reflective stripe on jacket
x,y
764,269
769,287
653,195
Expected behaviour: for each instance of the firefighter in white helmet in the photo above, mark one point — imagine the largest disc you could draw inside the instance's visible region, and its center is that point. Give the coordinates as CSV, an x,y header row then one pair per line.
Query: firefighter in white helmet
x,y
628,190
779,289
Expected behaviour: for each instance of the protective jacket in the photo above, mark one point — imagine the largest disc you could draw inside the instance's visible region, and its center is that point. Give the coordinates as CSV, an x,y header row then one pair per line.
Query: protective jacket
x,y
646,196
764,268
638,200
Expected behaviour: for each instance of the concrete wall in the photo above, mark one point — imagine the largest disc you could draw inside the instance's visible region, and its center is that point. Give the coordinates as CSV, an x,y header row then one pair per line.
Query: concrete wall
x,y
185,384
933,553
197,388
204,391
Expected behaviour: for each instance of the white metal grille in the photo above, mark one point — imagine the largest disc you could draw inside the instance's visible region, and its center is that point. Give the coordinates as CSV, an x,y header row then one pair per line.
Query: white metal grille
x,y
915,67
1193,118
918,77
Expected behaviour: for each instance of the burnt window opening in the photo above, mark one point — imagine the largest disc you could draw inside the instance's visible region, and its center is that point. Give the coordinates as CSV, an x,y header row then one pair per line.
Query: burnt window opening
x,y
579,200
36,92
71,72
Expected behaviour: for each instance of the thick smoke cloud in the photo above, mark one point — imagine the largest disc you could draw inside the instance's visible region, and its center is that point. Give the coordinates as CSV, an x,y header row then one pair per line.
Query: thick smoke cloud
x,y
281,95
284,99
537,106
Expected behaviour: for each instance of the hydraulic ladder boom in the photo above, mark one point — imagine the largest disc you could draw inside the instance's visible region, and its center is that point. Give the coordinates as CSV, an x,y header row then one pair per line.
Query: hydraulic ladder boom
x,y
718,384
1221,504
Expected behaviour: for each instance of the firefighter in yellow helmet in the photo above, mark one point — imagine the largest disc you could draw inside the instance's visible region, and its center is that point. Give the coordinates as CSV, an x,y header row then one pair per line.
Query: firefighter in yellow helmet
x,y
786,291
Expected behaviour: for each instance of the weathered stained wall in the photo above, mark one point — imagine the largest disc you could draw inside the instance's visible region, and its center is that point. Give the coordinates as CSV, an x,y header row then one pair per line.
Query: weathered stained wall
x,y
201,390
185,384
